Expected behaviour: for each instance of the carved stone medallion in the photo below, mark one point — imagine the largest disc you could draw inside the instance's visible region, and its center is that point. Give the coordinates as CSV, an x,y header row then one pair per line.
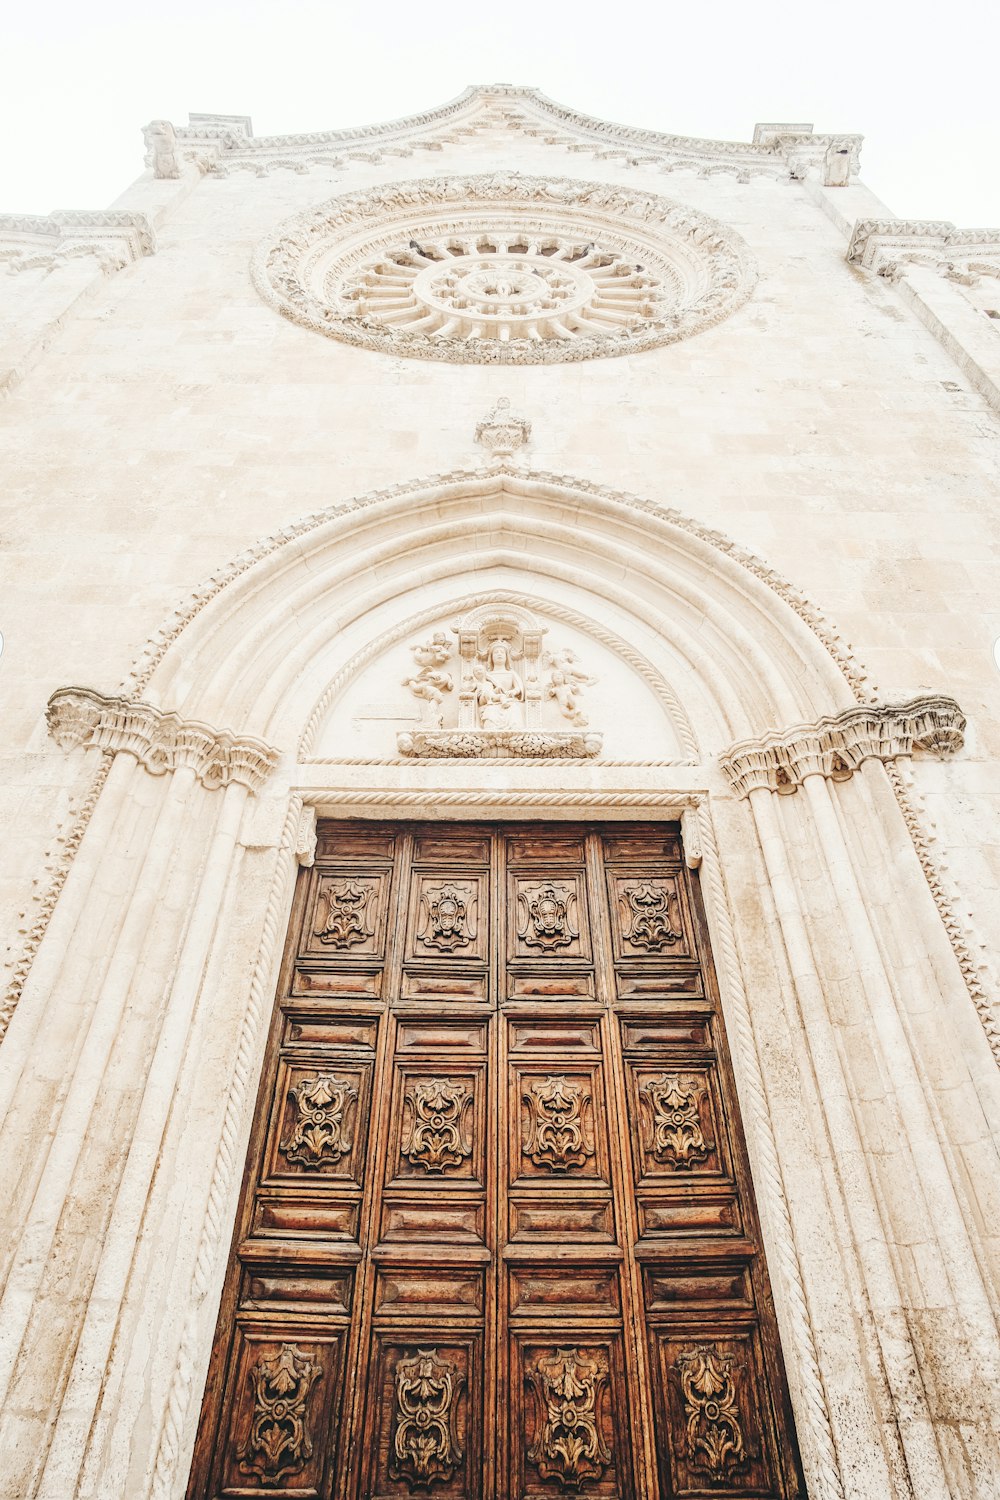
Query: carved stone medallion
x,y
503,269
569,1445
425,1443
438,1136
279,1443
544,916
677,1136
320,1135
648,923
556,1134
713,1421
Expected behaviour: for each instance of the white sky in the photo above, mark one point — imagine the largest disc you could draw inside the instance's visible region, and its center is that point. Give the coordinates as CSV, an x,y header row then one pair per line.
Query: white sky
x,y
920,80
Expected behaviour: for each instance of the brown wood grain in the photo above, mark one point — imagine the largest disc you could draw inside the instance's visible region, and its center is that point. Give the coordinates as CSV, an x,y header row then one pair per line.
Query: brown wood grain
x,y
497,1238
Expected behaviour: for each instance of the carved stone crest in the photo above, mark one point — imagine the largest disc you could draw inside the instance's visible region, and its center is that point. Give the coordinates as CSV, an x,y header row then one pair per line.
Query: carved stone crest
x,y
438,1136
346,921
500,432
545,920
713,1421
557,1136
279,1443
425,1442
677,1136
320,1134
569,1445
648,923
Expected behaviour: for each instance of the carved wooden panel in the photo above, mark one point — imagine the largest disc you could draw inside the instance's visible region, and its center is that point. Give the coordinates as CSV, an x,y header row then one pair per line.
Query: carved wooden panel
x,y
715,1432
424,1417
570,1417
497,1236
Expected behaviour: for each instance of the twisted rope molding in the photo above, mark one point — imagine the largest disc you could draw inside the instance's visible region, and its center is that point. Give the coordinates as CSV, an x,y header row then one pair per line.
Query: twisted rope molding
x,y
46,899
595,800
754,1092
653,679
228,1163
945,897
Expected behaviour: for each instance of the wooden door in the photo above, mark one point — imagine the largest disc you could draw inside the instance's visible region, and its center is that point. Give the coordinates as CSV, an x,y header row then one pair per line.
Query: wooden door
x,y
497,1238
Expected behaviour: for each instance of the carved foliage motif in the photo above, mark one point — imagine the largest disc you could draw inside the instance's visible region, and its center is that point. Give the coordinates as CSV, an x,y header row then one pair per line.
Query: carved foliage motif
x,y
347,919
545,916
320,1135
569,1445
648,924
438,1136
279,1443
556,1135
425,1443
713,1421
677,1136
448,917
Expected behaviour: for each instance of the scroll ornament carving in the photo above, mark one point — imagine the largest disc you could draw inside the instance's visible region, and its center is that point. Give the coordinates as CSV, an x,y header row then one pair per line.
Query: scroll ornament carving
x,y
556,269
649,925
160,741
425,1443
556,1135
713,1421
279,1443
506,680
569,1446
448,918
438,1136
677,1137
347,914
546,916
320,1136
837,745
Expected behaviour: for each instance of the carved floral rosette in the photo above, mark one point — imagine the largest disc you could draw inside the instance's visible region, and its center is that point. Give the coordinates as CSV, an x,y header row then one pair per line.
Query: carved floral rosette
x,y
504,269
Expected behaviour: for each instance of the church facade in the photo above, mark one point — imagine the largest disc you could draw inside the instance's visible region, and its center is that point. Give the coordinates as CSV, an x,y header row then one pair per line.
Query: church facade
x,y
501,792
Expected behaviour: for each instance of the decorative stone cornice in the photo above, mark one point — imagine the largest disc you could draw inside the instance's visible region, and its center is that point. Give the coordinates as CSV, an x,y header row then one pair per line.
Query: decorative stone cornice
x,y
160,741
222,143
495,744
115,236
837,745
885,246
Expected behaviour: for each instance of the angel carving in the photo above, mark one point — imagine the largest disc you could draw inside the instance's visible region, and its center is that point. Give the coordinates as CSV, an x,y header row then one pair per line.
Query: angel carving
x,y
567,679
430,683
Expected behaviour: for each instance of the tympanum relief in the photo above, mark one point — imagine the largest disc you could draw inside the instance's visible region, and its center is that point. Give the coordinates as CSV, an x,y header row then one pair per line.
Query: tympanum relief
x,y
500,679
491,688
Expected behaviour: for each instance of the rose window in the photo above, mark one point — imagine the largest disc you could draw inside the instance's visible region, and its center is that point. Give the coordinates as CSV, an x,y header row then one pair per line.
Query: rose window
x,y
503,270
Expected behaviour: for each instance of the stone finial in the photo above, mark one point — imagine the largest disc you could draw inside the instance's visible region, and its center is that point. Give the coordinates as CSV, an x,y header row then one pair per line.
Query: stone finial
x,y
500,432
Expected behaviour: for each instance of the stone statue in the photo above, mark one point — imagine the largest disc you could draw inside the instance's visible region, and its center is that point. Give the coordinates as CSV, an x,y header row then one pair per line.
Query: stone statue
x,y
499,690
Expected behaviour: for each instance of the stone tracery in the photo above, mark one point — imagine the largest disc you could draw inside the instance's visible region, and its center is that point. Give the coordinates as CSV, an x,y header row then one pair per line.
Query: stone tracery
x,y
504,269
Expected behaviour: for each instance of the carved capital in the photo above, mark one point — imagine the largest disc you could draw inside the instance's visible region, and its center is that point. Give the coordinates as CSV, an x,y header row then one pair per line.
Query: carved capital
x,y
837,745
500,432
160,741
